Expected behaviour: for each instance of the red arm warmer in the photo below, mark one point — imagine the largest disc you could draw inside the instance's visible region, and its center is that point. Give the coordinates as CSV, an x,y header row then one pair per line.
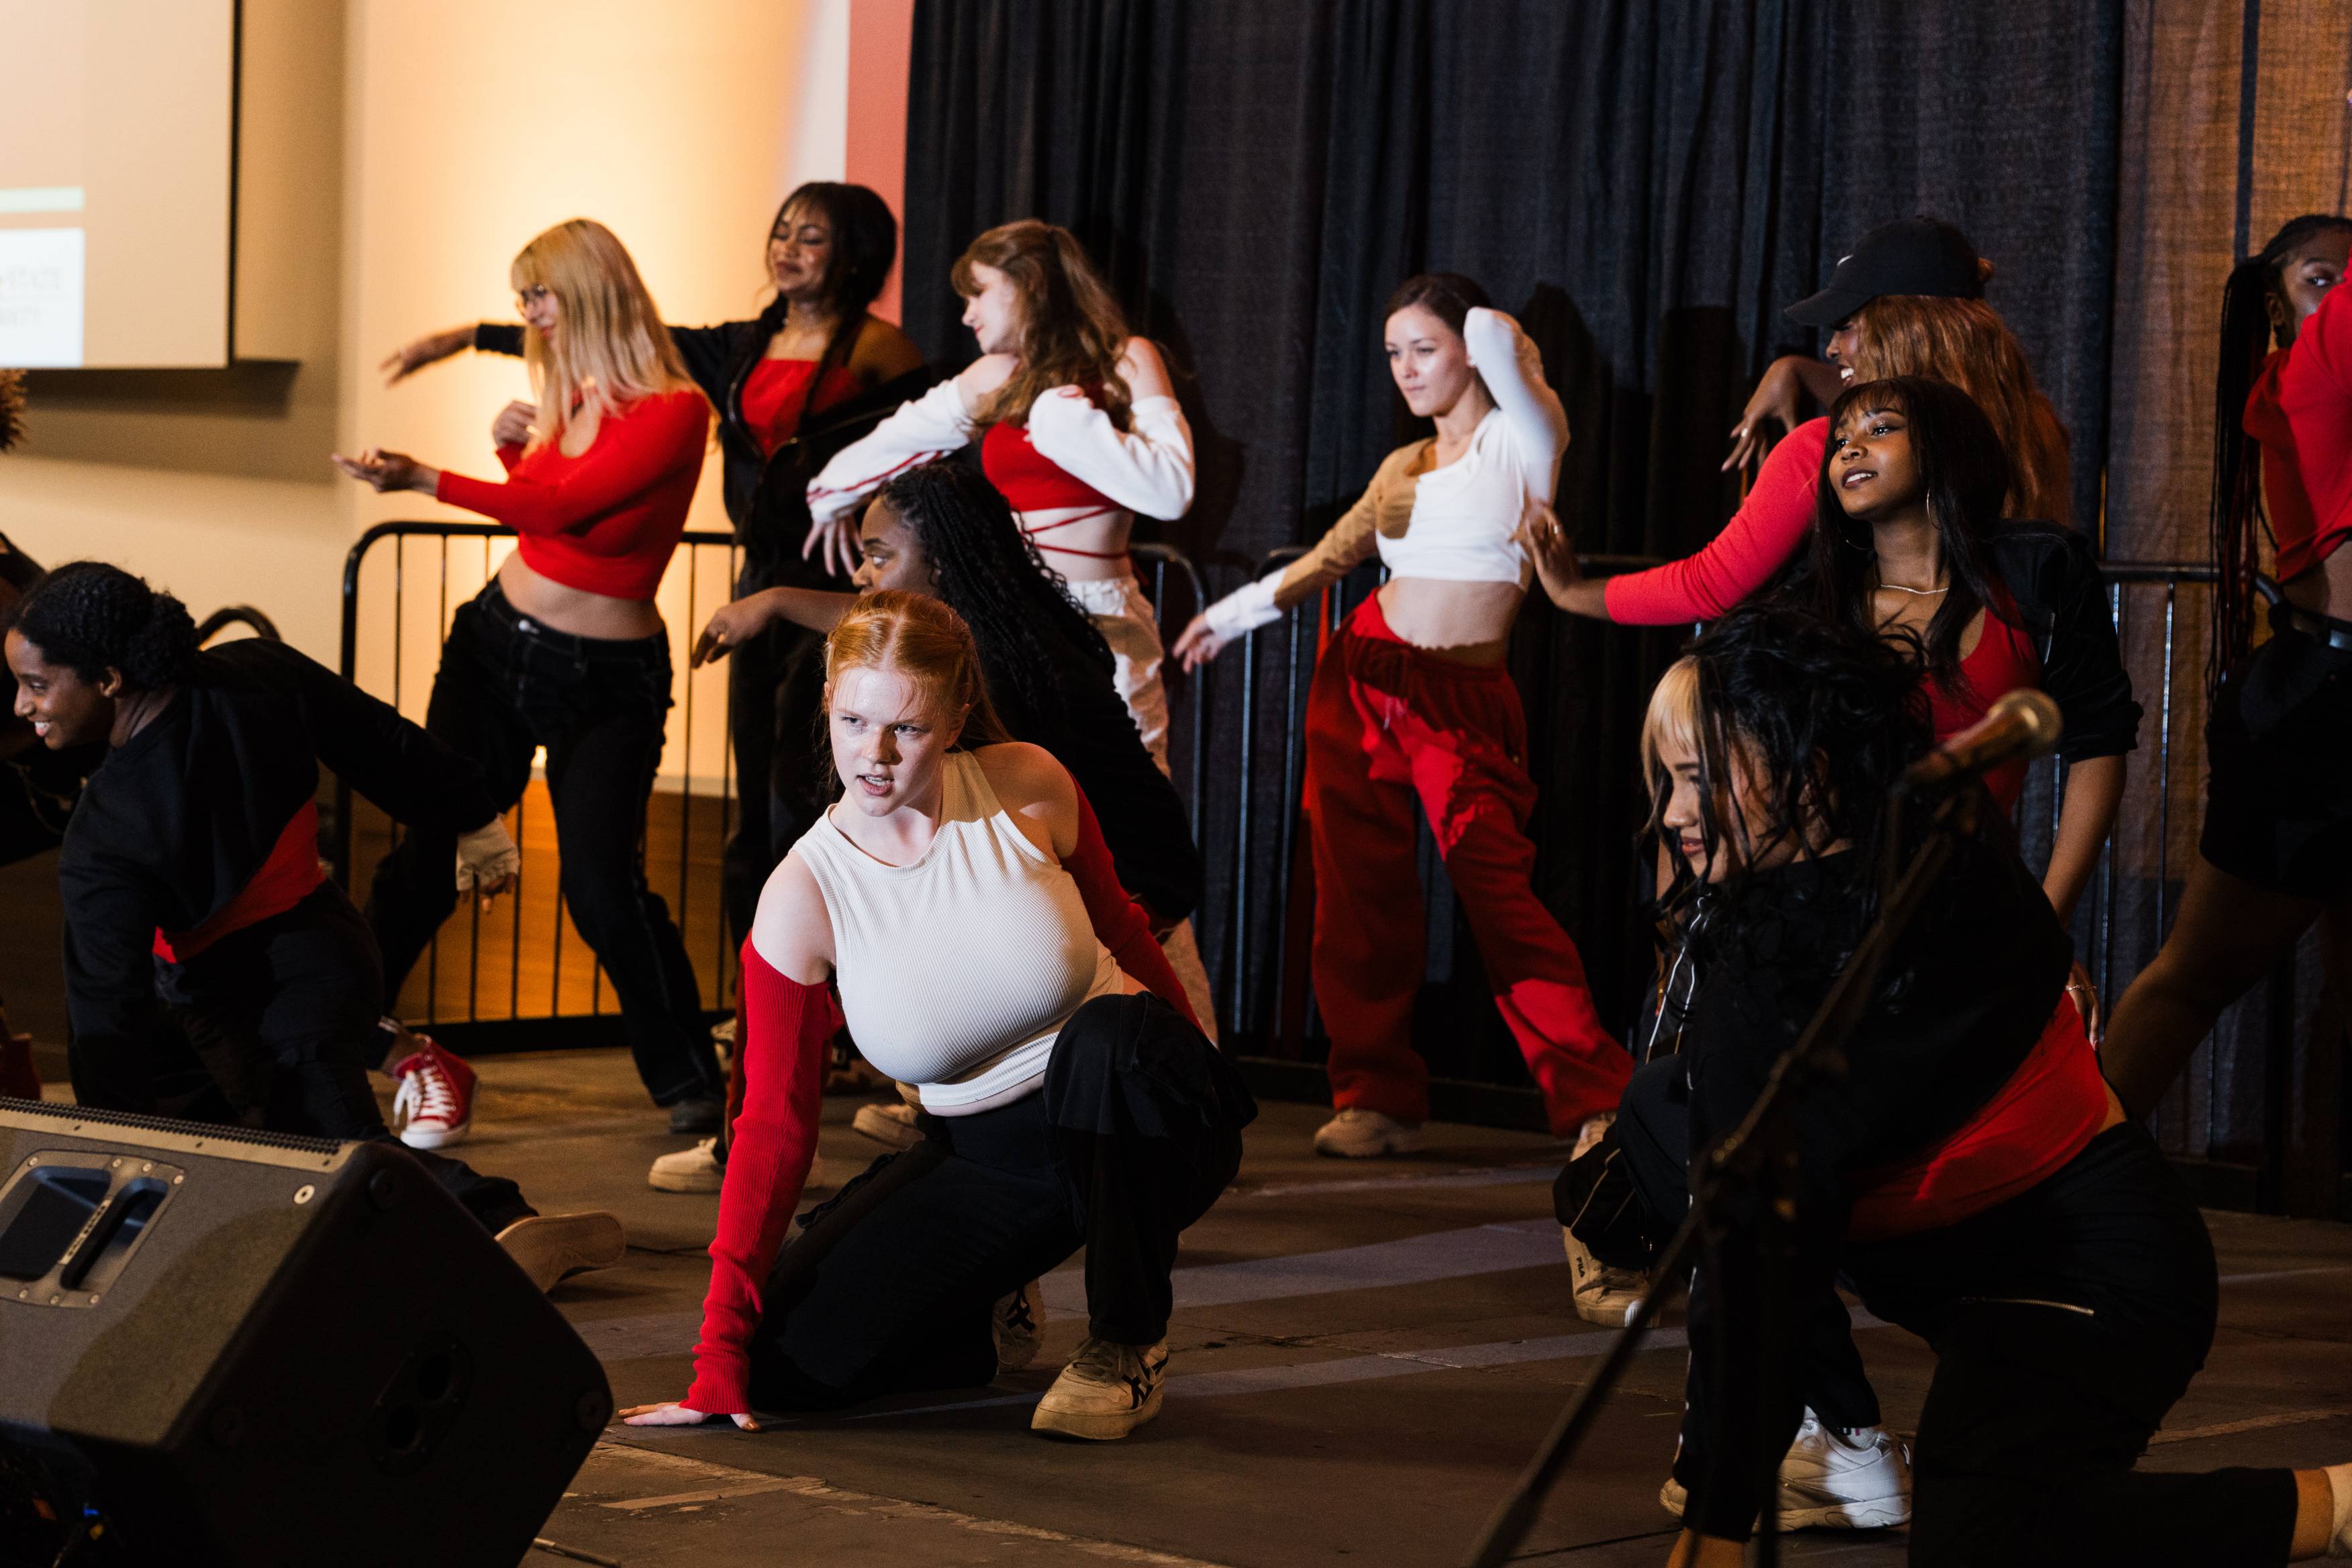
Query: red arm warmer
x,y
786,1027
653,439
1118,920
1769,527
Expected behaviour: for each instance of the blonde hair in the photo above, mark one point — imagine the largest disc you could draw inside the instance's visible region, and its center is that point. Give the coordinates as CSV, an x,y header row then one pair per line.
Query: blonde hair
x,y
919,637
610,348
1966,342
1072,332
1671,719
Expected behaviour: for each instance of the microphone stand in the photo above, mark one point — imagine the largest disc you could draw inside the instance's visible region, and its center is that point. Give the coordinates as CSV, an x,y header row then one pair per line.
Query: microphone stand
x,y
1758,1157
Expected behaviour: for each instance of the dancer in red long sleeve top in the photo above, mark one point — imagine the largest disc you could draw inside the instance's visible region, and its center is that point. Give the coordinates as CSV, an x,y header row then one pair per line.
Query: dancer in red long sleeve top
x,y
563,649
962,900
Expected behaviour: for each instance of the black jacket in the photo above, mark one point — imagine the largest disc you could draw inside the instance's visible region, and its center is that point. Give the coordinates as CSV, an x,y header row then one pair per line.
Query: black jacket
x,y
2061,597
765,495
177,819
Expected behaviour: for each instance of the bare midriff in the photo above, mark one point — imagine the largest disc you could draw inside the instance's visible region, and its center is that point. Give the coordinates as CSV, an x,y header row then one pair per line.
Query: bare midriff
x,y
576,610
1085,545
1469,623
2326,589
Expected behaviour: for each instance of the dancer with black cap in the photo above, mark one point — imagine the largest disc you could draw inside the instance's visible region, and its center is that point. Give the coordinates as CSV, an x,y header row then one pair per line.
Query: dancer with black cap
x,y
196,914
1907,303
2276,851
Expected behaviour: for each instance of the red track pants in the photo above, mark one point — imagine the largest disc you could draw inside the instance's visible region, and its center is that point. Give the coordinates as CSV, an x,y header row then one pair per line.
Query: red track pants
x,y
1393,729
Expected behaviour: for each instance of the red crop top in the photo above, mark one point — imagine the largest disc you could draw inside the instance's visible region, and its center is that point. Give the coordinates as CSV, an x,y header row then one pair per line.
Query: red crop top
x,y
775,397
2002,661
1031,481
2301,412
607,521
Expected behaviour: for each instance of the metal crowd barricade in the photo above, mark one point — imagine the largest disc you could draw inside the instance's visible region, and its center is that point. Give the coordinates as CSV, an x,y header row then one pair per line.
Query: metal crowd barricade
x,y
496,1012
704,558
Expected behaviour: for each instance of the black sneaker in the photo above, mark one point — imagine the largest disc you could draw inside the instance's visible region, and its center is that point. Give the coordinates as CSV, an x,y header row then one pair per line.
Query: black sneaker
x,y
696,1115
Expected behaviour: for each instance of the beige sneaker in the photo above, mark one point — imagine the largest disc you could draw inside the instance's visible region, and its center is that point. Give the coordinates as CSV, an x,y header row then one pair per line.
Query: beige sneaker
x,y
1019,1323
1599,1294
1354,1134
551,1246
698,1170
889,1124
1105,1392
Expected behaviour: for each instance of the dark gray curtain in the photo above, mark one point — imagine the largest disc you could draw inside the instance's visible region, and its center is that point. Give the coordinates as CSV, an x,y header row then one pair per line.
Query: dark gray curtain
x,y
1644,183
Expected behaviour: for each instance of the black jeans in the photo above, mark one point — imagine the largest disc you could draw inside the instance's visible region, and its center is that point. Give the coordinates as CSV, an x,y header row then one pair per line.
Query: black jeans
x,y
1654,1132
506,686
2064,1323
281,1021
775,686
888,1290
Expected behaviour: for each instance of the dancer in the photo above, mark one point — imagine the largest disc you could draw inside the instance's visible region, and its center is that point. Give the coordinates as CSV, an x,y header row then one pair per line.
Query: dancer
x,y
1082,436
196,915
960,895
1969,1173
1412,711
811,372
1907,302
942,530
2276,851
1907,544
564,649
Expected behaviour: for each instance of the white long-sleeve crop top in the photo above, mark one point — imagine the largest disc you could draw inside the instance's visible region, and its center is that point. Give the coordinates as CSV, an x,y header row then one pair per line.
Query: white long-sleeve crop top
x,y
1456,523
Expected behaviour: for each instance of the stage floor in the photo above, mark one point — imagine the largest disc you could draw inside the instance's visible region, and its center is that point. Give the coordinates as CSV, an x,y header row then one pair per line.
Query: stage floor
x,y
1364,1356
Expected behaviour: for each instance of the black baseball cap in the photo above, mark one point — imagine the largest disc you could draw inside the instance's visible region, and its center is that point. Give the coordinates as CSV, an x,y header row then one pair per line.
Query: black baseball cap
x,y
1909,256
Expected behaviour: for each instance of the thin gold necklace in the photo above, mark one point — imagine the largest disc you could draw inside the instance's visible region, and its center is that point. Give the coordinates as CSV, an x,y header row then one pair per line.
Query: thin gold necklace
x,y
1922,593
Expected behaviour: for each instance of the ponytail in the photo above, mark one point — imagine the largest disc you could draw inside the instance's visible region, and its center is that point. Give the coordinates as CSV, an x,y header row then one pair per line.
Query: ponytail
x,y
2235,513
92,617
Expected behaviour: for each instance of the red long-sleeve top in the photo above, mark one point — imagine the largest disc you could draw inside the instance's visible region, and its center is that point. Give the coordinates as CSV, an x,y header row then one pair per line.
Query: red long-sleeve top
x,y
786,1026
607,521
1769,527
2301,411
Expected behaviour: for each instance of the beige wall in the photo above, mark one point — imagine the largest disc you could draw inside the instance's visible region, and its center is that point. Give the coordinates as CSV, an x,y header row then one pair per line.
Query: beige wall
x,y
396,154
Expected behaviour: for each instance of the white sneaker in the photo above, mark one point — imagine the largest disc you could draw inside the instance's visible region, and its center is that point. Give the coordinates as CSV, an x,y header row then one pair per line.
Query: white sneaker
x,y
723,1043
1829,1481
550,1246
891,1124
1105,1392
1019,1321
1357,1135
1845,1480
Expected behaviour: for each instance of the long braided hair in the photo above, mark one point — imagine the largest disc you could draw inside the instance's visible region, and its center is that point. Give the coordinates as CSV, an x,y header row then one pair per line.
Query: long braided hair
x,y
2235,518
991,573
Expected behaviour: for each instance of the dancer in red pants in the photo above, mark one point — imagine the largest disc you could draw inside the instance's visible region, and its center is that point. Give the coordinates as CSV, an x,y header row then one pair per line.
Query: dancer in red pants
x,y
1412,710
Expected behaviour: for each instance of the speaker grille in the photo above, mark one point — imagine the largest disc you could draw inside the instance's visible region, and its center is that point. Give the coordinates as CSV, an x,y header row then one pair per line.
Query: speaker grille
x,y
209,1130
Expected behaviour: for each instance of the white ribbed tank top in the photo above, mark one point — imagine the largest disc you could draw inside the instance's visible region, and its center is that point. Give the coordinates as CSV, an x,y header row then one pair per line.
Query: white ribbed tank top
x,y
958,970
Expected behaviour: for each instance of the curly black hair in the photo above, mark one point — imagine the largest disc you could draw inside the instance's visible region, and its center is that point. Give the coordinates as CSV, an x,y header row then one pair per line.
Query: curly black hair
x,y
92,617
991,574
1817,719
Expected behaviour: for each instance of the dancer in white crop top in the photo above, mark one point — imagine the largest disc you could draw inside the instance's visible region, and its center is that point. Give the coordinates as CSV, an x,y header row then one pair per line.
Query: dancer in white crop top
x,y
1413,714
1079,429
965,903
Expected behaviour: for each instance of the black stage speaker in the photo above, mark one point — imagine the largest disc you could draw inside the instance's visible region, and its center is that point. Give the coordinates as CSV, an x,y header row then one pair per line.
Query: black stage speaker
x,y
245,1348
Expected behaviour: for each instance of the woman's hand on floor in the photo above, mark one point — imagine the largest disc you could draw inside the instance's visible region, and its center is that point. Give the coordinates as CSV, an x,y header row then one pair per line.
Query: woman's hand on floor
x,y
672,1413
